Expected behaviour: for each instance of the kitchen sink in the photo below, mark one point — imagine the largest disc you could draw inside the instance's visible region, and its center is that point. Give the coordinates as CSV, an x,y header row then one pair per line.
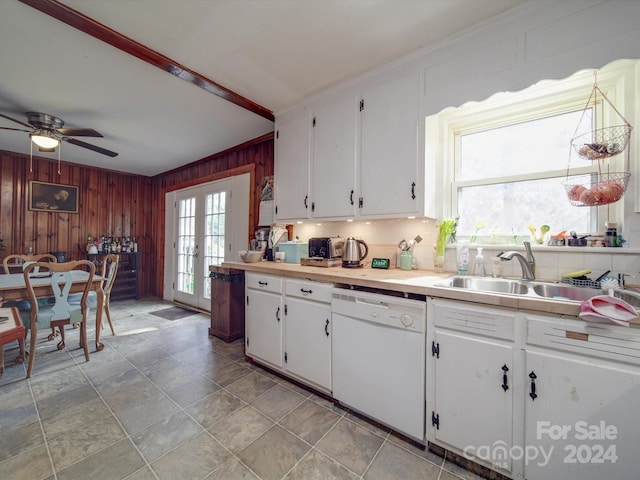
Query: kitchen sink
x,y
631,297
484,284
564,292
535,289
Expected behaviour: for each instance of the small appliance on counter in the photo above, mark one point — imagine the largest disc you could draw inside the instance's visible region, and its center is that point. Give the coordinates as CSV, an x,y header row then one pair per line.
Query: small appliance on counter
x,y
261,240
326,247
324,252
294,251
354,252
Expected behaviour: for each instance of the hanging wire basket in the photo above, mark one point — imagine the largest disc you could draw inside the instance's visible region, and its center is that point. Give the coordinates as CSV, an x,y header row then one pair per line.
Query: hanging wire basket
x,y
602,143
603,187
596,189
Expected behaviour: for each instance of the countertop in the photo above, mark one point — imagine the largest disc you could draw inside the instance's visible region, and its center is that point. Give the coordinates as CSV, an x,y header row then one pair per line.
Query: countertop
x,y
422,282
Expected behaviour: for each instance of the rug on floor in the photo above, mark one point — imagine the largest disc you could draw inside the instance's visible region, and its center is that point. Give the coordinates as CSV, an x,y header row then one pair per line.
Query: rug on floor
x,y
173,313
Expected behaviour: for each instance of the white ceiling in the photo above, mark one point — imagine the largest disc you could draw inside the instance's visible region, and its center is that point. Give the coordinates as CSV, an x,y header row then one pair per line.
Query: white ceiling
x,y
272,52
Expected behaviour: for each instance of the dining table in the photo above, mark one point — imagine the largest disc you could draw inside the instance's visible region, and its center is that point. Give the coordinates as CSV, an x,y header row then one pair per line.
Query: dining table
x,y
13,287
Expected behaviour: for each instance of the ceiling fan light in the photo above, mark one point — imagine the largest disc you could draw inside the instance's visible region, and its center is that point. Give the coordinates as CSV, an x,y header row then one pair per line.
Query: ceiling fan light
x,y
44,139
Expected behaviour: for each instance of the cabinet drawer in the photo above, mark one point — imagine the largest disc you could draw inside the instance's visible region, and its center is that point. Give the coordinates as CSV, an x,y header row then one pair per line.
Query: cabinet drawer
x,y
473,318
319,292
602,341
267,283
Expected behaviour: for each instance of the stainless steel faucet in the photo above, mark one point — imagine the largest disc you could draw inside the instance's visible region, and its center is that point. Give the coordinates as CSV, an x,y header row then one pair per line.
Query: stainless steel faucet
x,y
527,264
621,278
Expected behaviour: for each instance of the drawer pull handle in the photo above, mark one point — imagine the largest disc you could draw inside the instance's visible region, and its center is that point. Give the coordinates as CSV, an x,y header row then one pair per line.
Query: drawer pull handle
x,y
326,327
262,284
278,314
533,393
306,292
505,380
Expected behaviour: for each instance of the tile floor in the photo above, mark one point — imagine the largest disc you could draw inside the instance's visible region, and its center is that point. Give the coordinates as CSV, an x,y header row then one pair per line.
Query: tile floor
x,y
164,400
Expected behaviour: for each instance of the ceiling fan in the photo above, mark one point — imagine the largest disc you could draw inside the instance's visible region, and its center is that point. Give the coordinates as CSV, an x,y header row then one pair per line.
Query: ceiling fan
x,y
46,132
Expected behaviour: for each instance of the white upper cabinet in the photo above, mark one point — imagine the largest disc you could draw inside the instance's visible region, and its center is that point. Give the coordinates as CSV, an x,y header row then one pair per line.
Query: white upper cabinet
x,y
355,156
389,169
291,168
333,171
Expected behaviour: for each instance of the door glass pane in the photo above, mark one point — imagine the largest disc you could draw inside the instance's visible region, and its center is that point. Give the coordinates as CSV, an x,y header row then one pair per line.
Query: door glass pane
x,y
186,244
214,236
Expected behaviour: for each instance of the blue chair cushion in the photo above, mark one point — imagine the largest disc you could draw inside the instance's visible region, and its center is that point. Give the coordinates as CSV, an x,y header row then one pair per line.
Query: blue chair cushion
x,y
24,308
45,315
92,299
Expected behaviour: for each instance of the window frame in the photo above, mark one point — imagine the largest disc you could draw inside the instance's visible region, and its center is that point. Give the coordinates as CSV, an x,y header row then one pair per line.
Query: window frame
x,y
546,98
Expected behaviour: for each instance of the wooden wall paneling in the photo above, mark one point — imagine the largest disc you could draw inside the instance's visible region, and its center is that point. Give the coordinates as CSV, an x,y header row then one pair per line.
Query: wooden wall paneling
x,y
13,192
114,204
106,203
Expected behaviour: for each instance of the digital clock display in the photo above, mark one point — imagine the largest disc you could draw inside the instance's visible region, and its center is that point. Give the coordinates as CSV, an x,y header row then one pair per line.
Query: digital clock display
x,y
380,263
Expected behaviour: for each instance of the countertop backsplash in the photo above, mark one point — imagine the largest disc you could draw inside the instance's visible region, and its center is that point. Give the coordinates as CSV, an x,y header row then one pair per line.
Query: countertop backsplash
x,y
383,236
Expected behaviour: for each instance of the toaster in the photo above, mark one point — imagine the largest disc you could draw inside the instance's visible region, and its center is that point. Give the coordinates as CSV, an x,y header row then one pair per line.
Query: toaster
x,y
326,247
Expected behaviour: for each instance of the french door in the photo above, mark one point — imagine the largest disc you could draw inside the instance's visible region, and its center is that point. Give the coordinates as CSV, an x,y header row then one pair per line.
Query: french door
x,y
205,230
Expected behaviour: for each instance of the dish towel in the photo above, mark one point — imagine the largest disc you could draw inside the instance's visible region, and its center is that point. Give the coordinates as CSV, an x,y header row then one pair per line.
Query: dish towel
x,y
607,309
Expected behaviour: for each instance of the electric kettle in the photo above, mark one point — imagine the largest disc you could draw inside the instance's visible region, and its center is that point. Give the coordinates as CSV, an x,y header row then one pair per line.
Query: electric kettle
x,y
353,252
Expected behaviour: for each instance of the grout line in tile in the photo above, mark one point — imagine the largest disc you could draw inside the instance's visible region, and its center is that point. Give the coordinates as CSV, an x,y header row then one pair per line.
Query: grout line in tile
x,y
44,436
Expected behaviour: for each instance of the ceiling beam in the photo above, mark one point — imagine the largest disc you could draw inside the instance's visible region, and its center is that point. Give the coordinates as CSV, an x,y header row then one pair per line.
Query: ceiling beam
x,y
97,30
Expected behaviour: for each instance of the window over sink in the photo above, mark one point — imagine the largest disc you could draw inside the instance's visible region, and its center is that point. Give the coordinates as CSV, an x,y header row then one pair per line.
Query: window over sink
x,y
505,159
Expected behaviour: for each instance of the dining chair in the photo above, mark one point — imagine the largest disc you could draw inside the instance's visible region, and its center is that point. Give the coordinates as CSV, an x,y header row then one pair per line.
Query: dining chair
x,y
60,313
14,263
11,330
109,271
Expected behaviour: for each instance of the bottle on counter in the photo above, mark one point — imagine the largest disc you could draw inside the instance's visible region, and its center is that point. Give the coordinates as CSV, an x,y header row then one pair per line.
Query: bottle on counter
x,y
611,234
478,264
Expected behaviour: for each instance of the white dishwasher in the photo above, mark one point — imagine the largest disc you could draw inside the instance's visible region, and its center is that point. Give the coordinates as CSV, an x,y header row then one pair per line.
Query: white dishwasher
x,y
378,358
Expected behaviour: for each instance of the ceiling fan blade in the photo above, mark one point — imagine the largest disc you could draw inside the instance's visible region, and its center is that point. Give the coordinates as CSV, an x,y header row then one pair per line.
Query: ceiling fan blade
x,y
16,129
88,146
30,127
78,132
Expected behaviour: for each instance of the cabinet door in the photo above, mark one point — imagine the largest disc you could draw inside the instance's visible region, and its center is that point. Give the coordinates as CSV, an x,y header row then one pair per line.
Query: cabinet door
x,y
307,333
389,158
334,160
473,394
263,316
291,168
580,418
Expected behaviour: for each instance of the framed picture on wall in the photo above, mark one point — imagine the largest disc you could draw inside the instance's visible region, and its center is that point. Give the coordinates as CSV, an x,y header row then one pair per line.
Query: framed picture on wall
x,y
52,197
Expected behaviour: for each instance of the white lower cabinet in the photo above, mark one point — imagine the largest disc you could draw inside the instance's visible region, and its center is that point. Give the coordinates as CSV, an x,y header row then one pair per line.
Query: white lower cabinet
x,y
470,395
582,392
307,332
533,396
263,318
288,327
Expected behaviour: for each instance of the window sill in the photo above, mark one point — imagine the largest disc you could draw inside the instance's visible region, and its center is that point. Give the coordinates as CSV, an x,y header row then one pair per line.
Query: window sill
x,y
547,248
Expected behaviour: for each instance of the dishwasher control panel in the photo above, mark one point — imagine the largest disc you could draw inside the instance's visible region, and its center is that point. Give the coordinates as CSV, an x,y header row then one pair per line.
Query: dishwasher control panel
x,y
407,314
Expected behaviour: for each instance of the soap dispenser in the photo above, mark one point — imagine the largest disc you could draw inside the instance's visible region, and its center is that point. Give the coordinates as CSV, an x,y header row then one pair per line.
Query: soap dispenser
x,y
478,264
